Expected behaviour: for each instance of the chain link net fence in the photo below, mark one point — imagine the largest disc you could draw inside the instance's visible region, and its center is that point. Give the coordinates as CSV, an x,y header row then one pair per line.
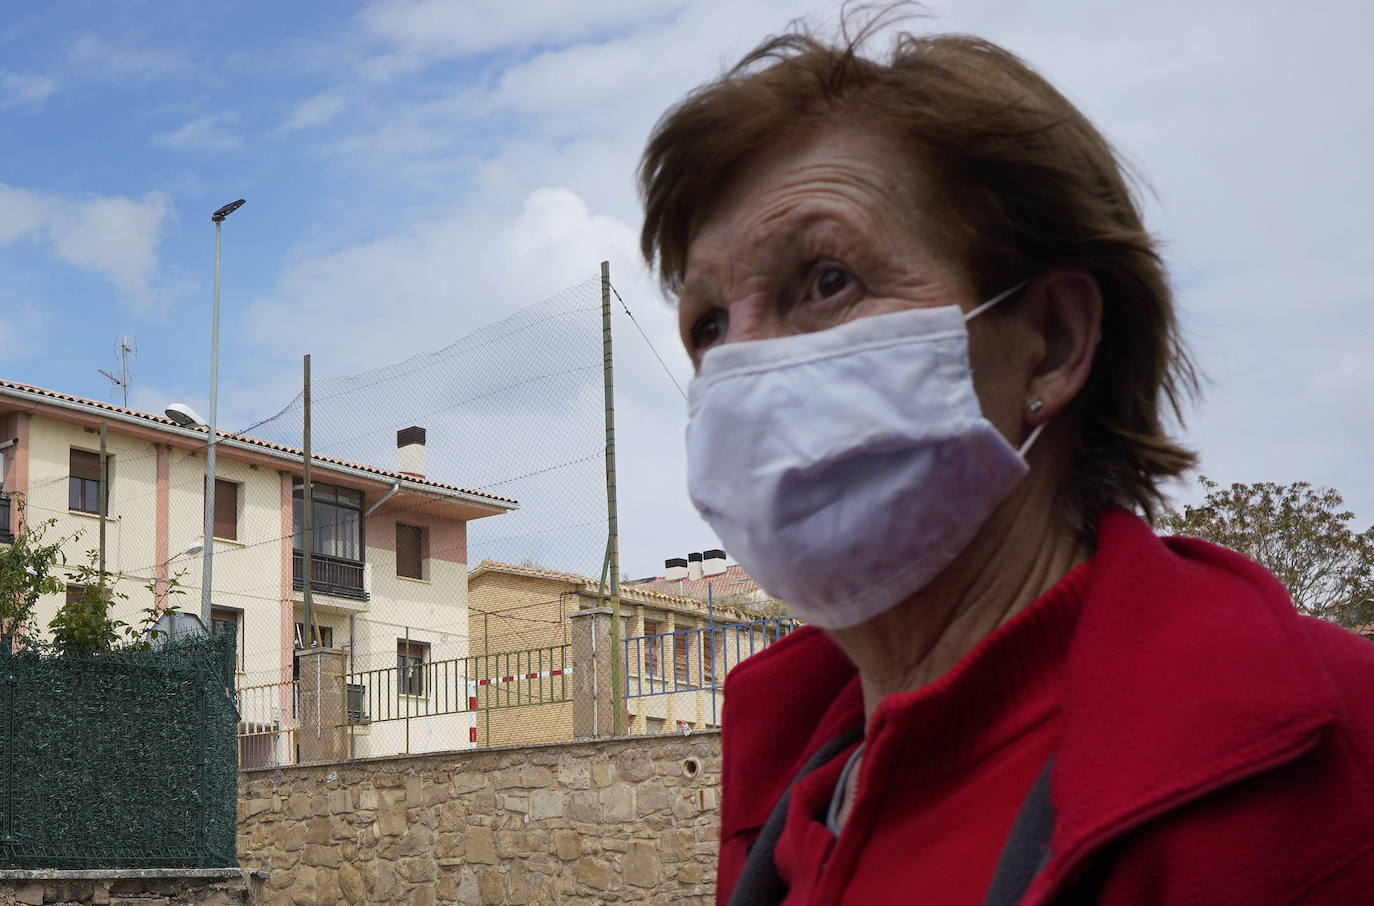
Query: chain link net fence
x,y
120,759
511,470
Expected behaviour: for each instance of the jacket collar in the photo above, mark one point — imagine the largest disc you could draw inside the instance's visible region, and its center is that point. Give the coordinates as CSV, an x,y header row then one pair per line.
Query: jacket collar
x,y
1190,670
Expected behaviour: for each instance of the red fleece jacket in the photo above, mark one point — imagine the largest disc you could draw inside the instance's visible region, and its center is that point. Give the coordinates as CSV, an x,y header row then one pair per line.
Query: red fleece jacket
x,y
1214,746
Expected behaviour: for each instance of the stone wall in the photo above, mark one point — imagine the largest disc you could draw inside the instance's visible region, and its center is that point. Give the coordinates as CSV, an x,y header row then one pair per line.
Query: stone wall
x,y
130,887
631,819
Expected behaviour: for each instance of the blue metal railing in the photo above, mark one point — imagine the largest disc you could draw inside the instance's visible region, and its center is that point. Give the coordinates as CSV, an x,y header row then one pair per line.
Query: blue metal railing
x,y
689,660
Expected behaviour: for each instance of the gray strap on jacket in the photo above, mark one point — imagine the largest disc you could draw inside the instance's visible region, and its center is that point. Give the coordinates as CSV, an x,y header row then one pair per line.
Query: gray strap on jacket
x,y
1028,845
759,883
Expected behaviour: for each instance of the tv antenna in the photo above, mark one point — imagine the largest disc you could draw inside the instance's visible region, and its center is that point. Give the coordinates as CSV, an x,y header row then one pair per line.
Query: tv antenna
x,y
126,347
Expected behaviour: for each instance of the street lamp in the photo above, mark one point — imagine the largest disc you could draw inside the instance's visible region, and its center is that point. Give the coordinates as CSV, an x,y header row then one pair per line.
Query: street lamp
x,y
184,415
208,574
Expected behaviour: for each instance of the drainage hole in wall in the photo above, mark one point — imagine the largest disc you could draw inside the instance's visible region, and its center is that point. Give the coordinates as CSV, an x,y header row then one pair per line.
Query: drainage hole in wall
x,y
691,767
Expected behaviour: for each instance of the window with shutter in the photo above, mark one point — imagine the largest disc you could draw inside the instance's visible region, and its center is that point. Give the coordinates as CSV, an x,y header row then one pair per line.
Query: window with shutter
x,y
410,663
651,648
680,647
83,485
226,510
410,551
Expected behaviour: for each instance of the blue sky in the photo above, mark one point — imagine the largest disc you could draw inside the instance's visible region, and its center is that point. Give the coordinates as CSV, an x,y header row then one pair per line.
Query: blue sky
x,y
415,170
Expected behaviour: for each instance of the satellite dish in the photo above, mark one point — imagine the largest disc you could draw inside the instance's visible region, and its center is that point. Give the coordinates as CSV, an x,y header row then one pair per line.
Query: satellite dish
x,y
176,624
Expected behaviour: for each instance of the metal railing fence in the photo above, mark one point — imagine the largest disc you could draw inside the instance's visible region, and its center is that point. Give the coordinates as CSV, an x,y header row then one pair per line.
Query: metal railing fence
x,y
690,660
269,722
503,679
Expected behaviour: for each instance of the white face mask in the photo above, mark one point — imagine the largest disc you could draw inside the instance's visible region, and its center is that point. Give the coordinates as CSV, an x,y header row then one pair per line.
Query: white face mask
x,y
845,468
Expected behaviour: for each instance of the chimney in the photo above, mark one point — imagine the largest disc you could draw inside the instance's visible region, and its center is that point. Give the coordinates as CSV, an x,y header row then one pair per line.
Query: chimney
x,y
713,563
675,569
694,566
410,451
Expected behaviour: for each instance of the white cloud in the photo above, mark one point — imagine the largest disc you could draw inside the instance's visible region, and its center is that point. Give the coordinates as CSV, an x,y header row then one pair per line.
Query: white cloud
x,y
116,237
21,213
204,133
420,289
20,91
102,57
1262,200
449,275
419,31
319,110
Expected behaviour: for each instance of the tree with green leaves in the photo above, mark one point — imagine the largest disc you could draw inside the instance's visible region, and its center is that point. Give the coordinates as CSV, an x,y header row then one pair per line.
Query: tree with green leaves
x,y
29,567
1302,534
84,624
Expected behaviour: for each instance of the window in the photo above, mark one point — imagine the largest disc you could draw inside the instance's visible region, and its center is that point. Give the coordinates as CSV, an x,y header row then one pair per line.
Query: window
x,y
652,655
357,703
337,517
325,637
411,548
653,725
223,619
681,641
83,485
75,592
410,660
336,542
6,536
710,655
226,510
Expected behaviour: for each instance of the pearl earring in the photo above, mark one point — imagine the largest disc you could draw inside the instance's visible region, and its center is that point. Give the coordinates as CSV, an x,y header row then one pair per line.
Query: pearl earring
x,y
1035,405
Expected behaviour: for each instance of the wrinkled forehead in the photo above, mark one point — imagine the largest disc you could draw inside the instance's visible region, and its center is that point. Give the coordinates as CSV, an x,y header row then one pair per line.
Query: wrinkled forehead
x,y
852,183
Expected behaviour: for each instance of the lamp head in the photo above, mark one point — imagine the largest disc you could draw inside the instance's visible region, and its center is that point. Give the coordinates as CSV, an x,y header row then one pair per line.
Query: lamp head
x,y
185,416
225,211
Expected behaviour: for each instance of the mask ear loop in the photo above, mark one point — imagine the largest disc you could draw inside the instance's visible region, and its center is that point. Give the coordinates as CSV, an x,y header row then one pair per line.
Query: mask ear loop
x,y
1030,439
1000,297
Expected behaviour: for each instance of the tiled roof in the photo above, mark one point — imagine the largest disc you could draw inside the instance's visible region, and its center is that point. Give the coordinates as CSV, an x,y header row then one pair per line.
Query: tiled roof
x,y
163,421
531,572
588,584
734,582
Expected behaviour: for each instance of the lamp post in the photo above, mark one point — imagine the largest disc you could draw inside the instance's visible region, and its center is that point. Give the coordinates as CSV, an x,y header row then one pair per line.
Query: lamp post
x,y
208,573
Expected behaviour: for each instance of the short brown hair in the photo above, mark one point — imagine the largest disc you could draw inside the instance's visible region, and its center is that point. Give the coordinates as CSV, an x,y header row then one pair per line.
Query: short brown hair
x,y
1023,183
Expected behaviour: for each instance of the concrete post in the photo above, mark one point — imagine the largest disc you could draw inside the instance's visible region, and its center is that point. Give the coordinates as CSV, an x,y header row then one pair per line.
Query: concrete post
x,y
322,732
594,698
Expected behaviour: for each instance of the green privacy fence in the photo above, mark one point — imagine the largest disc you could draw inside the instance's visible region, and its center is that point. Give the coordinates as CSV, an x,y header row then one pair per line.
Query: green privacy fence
x,y
123,759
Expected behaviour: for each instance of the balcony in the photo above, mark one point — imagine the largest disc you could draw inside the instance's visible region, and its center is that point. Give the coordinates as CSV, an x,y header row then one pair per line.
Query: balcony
x,y
6,536
331,576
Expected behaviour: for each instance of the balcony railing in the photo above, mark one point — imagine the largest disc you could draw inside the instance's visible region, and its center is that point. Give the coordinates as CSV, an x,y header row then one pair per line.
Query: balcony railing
x,y
330,576
6,536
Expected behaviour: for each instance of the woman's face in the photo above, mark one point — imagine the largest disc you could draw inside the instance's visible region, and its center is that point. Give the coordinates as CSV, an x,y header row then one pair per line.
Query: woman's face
x,y
821,231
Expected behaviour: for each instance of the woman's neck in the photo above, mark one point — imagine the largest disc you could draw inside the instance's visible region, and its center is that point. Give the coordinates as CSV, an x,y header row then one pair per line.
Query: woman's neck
x,y
1018,555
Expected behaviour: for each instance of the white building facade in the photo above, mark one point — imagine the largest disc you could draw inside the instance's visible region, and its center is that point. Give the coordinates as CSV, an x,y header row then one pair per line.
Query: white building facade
x,y
389,551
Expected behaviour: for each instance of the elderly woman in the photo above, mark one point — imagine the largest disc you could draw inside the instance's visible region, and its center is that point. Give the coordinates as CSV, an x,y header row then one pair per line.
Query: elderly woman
x,y
934,346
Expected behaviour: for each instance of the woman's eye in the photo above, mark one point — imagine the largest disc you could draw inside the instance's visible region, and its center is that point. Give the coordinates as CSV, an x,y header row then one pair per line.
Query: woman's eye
x,y
830,281
709,329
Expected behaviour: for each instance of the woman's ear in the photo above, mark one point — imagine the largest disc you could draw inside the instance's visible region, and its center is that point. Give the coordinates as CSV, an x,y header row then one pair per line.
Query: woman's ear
x,y
1066,306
